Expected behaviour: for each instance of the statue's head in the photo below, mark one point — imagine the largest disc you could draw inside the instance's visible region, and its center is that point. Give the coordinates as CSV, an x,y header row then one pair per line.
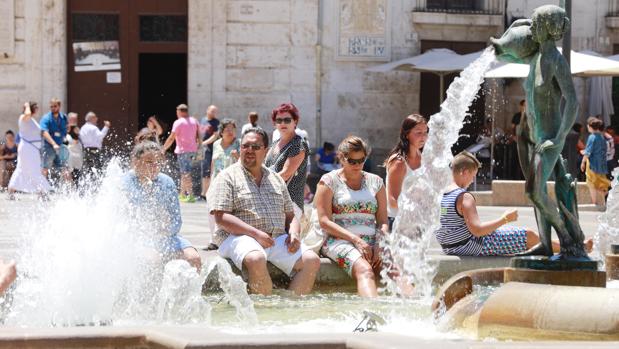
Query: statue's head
x,y
549,22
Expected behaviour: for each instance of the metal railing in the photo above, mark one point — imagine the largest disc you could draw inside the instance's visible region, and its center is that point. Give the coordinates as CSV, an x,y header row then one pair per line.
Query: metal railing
x,y
486,7
613,8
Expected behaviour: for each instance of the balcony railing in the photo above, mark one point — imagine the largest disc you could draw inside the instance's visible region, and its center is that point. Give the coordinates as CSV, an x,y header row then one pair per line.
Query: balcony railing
x,y
613,8
485,7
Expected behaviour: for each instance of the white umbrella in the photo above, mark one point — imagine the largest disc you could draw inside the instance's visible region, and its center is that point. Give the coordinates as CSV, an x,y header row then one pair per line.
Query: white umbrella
x,y
583,64
439,61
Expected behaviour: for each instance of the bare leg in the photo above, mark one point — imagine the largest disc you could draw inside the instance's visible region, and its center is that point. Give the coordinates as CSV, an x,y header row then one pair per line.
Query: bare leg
x,y
191,255
186,184
307,268
7,275
366,281
592,193
533,239
259,279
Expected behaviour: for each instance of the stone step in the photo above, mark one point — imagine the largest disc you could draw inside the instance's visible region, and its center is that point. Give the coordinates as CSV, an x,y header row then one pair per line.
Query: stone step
x,y
331,277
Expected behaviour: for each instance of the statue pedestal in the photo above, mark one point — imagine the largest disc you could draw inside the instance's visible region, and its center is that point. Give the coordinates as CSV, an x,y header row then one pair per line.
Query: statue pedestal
x,y
612,263
542,270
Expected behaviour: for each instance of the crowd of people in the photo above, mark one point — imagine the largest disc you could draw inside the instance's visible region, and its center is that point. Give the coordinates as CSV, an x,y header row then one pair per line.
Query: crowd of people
x,y
255,190
55,143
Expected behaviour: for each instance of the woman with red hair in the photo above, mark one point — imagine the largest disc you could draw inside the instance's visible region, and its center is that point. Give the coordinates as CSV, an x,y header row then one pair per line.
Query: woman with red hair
x,y
288,155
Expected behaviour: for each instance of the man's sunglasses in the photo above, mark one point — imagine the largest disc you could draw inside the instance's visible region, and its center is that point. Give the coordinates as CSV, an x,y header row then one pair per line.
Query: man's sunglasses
x,y
355,161
283,120
253,146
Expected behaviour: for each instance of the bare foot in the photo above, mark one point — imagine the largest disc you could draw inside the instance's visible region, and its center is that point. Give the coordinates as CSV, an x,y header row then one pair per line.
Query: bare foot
x,y
588,245
7,275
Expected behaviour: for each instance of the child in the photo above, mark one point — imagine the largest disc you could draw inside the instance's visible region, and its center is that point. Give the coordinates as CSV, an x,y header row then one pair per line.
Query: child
x,y
594,162
462,233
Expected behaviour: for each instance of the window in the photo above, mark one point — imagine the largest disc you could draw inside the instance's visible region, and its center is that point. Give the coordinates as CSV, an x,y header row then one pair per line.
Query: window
x,y
454,5
94,27
163,28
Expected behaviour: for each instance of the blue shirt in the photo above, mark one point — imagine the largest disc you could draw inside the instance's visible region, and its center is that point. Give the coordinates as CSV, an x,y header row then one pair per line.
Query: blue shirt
x,y
596,151
326,159
159,205
57,128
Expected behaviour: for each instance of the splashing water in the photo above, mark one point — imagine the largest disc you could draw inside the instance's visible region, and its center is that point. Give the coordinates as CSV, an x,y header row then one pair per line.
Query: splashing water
x,y
608,229
90,260
406,247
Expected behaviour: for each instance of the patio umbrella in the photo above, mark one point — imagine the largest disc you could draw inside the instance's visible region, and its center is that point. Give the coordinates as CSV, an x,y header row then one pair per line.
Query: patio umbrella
x,y
583,64
439,61
600,95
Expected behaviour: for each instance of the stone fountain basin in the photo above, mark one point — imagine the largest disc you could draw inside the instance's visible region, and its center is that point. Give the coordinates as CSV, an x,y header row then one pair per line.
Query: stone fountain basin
x,y
176,337
525,311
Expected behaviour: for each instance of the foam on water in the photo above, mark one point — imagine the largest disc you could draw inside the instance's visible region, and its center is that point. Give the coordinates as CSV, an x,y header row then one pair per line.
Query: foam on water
x,y
89,260
420,200
608,227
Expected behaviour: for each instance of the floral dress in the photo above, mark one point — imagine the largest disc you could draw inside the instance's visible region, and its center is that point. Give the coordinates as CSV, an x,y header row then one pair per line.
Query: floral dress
x,y
354,210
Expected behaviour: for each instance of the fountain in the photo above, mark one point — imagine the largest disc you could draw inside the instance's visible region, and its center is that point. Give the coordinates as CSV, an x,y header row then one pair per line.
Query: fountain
x,y
87,273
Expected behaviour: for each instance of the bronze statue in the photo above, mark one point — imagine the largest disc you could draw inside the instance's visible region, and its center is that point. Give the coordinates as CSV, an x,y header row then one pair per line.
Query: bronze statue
x,y
541,134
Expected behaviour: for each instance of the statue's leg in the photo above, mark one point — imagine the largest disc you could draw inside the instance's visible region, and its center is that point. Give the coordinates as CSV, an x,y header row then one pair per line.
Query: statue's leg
x,y
525,149
542,167
565,191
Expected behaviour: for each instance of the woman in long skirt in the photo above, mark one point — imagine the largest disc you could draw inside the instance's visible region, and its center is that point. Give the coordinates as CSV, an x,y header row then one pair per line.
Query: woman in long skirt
x,y
27,176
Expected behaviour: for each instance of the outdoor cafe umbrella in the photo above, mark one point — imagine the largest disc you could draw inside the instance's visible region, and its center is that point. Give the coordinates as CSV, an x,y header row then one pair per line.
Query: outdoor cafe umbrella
x,y
582,65
439,61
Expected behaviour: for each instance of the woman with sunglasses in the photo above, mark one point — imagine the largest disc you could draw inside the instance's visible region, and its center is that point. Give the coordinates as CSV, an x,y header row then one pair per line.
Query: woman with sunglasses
x,y
352,211
403,159
288,156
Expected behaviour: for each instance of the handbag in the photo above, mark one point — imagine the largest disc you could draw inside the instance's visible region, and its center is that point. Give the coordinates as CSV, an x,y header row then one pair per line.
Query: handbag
x,y
312,235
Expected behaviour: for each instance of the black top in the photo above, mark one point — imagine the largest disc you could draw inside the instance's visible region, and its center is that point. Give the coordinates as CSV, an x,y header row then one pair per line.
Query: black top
x,y
275,161
516,118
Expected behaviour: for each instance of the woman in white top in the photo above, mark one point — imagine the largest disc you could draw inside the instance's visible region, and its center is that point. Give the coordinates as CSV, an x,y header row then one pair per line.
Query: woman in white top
x,y
404,159
27,176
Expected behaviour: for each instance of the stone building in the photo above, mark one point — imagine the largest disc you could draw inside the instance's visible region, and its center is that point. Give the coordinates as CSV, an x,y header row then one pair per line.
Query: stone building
x,y
127,60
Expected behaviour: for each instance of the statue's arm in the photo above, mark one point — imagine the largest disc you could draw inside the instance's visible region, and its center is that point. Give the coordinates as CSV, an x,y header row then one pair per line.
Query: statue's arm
x,y
566,84
506,57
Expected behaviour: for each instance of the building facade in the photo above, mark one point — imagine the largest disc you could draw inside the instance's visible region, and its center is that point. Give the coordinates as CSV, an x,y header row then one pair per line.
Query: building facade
x,y
129,59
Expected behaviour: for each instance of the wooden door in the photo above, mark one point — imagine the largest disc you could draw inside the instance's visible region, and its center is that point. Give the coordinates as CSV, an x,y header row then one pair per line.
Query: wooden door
x,y
105,40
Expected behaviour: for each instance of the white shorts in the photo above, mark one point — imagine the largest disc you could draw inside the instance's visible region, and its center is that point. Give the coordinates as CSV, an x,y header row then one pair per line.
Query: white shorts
x,y
236,247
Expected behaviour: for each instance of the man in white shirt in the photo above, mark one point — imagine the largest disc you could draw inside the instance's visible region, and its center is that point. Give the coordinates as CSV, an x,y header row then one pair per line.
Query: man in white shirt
x,y
92,141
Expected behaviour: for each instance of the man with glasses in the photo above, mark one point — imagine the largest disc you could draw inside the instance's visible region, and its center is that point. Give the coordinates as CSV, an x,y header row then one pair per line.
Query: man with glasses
x,y
54,154
256,222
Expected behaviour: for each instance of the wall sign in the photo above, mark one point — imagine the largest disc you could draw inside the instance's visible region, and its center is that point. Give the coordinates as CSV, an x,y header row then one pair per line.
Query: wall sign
x,y
363,30
96,55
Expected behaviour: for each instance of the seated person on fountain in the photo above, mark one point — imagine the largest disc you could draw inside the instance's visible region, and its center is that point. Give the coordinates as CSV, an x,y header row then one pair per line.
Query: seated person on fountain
x,y
352,209
463,233
254,213
154,200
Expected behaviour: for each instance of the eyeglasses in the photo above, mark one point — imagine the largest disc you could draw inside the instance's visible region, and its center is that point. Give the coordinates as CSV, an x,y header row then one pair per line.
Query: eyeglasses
x,y
253,146
283,120
355,161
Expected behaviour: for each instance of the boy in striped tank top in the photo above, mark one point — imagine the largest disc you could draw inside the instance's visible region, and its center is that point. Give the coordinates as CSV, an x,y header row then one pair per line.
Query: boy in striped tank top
x,y
462,232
